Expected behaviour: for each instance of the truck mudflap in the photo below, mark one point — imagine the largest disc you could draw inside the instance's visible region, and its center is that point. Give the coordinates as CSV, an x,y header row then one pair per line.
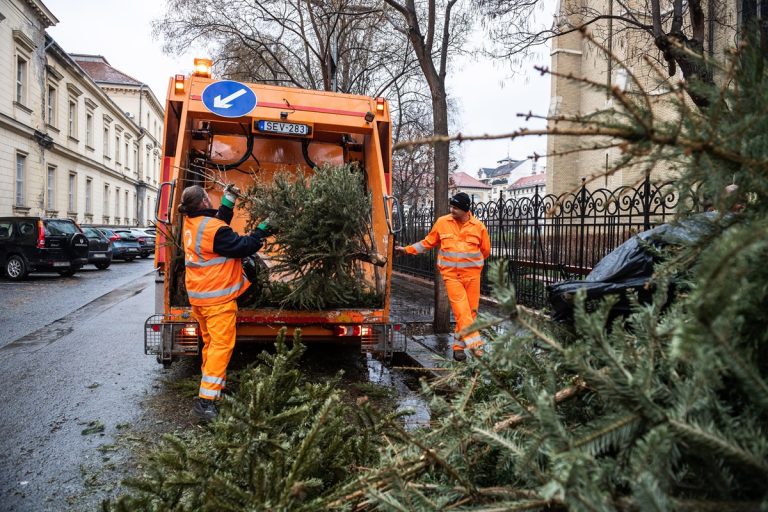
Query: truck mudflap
x,y
169,336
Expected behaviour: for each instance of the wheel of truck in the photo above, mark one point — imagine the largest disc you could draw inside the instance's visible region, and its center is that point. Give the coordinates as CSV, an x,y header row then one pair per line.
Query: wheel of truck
x,y
16,268
103,265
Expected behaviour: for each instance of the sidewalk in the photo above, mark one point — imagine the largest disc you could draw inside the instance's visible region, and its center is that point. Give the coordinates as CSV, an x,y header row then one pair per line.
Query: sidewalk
x,y
412,303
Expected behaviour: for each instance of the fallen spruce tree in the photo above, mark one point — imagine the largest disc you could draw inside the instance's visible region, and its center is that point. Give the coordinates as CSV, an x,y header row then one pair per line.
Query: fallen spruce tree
x,y
322,235
663,410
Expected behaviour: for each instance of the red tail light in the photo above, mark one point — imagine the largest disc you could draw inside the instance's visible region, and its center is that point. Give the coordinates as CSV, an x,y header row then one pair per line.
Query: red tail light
x,y
40,235
142,239
352,330
114,238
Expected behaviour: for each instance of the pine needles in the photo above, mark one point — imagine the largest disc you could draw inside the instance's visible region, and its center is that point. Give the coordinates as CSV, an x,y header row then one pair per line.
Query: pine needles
x,y
322,235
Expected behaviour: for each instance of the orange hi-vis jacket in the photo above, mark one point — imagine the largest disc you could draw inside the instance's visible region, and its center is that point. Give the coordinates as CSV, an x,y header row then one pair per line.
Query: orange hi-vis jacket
x,y
211,279
463,247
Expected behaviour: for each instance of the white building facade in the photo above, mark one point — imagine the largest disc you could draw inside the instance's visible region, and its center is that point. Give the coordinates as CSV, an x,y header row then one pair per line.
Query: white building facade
x,y
66,148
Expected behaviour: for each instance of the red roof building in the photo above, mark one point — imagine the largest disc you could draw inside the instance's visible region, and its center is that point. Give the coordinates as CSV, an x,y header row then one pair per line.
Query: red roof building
x,y
526,186
463,182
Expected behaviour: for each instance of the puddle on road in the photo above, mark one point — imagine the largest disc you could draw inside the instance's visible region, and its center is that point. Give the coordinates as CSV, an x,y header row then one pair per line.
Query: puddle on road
x,y
406,392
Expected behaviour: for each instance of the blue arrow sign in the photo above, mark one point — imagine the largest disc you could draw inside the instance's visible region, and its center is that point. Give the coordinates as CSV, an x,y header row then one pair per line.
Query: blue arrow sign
x,y
229,98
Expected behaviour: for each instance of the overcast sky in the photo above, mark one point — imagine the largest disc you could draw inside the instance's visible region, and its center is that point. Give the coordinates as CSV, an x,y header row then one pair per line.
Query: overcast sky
x,y
487,99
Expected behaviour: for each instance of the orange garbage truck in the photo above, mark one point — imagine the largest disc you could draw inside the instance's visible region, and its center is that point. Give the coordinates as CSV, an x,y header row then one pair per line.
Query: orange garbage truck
x,y
227,131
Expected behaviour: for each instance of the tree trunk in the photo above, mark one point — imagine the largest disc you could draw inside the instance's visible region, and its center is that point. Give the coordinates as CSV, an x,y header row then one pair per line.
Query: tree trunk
x,y
442,320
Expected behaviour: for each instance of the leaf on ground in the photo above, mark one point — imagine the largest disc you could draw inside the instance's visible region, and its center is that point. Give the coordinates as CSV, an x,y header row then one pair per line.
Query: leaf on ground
x,y
94,427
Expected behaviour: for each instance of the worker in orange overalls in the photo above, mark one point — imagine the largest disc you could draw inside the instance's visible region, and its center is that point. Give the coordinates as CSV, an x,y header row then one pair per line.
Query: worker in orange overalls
x,y
464,245
214,280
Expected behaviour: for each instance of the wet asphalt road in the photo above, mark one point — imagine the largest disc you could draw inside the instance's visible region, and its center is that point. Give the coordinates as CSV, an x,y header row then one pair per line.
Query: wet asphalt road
x,y
71,357
81,401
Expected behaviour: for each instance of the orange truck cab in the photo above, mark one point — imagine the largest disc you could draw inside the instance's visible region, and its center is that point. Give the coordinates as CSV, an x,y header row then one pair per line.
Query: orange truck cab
x,y
231,132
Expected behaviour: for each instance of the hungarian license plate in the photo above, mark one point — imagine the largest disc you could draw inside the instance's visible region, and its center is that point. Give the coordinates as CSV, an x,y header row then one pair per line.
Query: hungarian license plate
x,y
60,263
99,255
294,129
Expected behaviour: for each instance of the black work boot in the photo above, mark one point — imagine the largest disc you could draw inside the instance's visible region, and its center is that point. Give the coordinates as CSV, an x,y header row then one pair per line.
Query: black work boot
x,y
205,410
459,355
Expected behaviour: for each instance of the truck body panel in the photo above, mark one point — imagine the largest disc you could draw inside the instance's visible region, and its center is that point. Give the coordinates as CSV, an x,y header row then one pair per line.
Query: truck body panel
x,y
199,144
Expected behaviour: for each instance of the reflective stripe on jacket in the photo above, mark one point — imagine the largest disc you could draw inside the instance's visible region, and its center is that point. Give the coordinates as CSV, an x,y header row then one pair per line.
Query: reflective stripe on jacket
x,y
463,247
210,278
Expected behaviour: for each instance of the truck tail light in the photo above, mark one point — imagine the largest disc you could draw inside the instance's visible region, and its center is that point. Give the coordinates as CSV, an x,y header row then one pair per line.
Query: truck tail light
x,y
352,330
40,235
189,330
178,83
379,105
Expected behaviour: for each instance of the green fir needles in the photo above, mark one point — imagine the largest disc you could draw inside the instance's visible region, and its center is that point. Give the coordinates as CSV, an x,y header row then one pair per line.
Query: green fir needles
x,y
322,238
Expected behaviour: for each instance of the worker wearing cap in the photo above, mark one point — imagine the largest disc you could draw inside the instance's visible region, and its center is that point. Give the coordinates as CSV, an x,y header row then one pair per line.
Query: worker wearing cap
x,y
214,279
464,245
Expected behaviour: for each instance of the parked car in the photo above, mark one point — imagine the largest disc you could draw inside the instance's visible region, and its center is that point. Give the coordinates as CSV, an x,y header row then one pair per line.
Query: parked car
x,y
36,244
627,269
146,241
99,248
125,246
151,231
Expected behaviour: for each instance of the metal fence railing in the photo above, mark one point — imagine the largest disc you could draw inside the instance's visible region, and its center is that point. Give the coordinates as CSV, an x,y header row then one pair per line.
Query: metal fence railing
x,y
547,238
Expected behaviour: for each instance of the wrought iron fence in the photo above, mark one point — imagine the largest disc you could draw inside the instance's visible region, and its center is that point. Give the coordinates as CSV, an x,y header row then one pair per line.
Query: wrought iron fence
x,y
547,238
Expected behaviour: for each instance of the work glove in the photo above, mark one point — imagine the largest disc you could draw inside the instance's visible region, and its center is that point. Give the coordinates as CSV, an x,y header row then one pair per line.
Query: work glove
x,y
231,193
266,227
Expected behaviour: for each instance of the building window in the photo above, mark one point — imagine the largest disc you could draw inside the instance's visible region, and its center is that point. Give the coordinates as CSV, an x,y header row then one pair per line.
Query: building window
x,y
72,199
117,148
50,201
72,126
106,141
126,207
88,194
117,205
52,105
21,80
105,206
136,157
89,129
126,154
21,171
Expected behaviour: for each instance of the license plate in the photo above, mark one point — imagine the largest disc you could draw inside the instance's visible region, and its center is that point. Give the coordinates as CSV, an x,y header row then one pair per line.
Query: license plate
x,y
293,129
99,255
133,250
60,263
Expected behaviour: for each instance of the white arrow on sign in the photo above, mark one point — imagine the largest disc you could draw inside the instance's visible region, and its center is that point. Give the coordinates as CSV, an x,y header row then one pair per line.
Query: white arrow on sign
x,y
218,102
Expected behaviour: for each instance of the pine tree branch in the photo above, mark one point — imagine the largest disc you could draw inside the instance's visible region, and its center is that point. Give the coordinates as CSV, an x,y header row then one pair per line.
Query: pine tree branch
x,y
561,396
718,444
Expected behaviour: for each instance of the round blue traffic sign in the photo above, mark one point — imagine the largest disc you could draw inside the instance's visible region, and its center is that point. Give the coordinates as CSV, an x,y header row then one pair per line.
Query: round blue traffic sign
x,y
228,98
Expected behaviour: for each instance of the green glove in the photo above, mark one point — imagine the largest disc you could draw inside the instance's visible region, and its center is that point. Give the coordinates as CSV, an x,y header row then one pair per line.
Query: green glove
x,y
265,227
230,196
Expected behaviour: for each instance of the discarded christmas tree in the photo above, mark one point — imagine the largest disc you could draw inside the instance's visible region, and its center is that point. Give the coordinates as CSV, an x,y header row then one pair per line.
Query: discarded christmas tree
x,y
322,230
282,444
663,410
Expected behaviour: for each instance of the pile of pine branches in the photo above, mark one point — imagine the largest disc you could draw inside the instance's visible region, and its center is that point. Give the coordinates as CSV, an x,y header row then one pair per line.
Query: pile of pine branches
x,y
663,410
322,225
283,444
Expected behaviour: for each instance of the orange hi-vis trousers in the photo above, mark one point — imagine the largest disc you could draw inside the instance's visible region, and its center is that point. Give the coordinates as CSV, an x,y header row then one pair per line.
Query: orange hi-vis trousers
x,y
218,329
463,287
